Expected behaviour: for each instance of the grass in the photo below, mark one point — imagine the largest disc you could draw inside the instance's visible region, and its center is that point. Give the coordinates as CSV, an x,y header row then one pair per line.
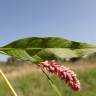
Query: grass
x,y
35,83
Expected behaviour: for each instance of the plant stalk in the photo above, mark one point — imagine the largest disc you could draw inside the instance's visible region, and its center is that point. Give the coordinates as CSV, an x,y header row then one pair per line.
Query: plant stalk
x,y
52,84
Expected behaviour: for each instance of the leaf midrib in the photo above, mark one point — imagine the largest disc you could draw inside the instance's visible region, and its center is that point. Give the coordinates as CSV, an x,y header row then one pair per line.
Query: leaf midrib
x,y
1,49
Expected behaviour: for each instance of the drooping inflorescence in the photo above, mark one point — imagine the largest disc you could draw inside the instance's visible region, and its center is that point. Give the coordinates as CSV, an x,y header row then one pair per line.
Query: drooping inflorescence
x,y
63,73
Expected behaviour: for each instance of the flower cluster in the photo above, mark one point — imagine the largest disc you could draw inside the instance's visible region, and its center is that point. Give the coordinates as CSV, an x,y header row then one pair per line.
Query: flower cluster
x,y
63,73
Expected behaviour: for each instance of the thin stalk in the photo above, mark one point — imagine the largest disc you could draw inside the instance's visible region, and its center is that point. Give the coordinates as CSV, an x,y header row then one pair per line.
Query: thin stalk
x,y
8,83
4,49
52,84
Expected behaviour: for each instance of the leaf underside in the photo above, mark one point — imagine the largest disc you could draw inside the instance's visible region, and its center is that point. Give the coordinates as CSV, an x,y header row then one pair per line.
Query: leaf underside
x,y
37,49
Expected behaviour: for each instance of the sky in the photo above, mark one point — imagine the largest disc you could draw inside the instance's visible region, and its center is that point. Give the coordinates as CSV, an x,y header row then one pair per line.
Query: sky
x,y
71,19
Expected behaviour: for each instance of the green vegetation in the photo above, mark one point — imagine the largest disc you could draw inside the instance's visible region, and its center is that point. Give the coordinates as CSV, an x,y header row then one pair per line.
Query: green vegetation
x,y
47,42
36,84
38,49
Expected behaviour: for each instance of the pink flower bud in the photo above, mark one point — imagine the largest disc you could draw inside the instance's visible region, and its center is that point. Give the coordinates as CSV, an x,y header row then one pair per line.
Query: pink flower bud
x,y
63,73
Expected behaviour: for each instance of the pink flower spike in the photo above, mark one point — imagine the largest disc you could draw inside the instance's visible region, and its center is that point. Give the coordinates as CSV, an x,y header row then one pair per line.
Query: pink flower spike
x,y
63,73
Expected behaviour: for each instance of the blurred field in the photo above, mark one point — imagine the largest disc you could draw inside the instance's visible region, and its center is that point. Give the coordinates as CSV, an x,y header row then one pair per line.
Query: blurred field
x,y
28,80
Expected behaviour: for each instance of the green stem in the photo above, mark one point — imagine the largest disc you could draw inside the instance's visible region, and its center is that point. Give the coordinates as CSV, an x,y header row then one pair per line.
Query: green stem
x,y
3,49
52,84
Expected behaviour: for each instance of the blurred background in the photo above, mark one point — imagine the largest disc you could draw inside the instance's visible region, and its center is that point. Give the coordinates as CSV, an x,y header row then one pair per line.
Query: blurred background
x,y
71,19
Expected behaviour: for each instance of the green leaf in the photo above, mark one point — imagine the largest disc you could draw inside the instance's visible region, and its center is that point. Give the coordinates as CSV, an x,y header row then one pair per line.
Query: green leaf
x,y
38,49
1,52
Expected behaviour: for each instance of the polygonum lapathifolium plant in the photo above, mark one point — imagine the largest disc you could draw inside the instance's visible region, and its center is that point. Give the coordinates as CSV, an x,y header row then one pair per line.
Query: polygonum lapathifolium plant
x,y
63,73
37,50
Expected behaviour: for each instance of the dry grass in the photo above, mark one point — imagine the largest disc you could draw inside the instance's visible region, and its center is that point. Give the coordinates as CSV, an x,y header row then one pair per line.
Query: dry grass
x,y
28,80
12,71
